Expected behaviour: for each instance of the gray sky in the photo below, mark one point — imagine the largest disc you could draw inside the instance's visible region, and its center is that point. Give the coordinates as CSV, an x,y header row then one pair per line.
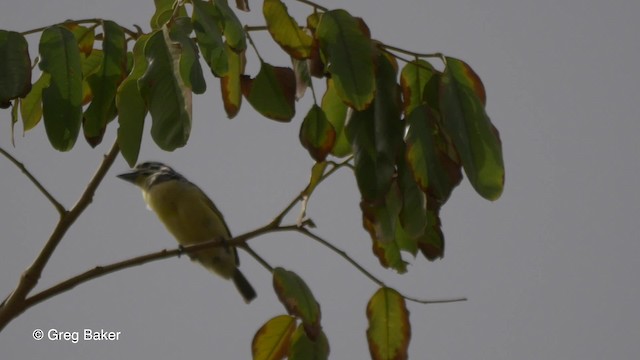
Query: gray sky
x,y
550,269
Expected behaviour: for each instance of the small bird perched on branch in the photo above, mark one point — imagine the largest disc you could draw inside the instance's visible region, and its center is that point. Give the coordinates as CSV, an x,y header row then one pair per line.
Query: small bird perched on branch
x,y
192,218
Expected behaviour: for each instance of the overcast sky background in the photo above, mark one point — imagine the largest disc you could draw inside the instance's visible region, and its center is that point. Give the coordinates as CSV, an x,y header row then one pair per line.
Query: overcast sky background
x,y
550,269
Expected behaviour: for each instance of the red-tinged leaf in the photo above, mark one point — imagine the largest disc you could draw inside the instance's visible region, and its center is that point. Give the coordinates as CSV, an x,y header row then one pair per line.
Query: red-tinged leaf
x,y
230,83
285,31
431,243
314,62
31,105
90,65
304,348
132,109
105,82
297,298
272,340
166,95
476,139
389,330
336,112
317,134
413,79
84,36
15,67
464,74
272,92
347,50
61,101
208,28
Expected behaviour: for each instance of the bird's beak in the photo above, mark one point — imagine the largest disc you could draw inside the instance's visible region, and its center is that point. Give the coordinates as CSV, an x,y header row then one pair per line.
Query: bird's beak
x,y
130,177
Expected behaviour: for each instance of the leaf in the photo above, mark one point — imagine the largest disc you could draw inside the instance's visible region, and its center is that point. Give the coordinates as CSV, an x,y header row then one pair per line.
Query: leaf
x,y
208,28
297,298
61,101
413,79
189,59
376,135
464,74
233,29
303,78
31,105
413,217
132,109
316,175
336,112
163,13
475,138
285,31
14,118
84,36
317,134
389,328
272,92
105,82
230,83
348,53
243,5
272,340
15,67
90,65
304,348
165,93
431,243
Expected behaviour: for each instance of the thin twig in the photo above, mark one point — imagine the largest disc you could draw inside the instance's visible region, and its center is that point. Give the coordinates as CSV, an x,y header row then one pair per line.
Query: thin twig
x,y
129,32
253,45
59,207
14,305
314,5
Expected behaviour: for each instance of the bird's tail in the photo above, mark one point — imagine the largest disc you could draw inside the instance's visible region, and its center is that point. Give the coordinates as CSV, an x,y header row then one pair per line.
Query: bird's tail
x,y
246,290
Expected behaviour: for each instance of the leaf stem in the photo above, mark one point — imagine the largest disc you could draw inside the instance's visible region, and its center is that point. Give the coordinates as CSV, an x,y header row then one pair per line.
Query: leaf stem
x,y
314,5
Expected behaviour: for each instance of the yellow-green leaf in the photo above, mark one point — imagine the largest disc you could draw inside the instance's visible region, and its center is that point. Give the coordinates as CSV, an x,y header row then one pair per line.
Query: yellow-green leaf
x,y
474,136
413,79
336,112
230,83
31,105
317,134
347,50
272,92
272,340
304,348
389,328
285,30
297,298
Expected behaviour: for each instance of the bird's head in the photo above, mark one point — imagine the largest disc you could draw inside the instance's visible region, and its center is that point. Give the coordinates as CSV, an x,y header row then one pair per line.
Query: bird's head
x,y
147,173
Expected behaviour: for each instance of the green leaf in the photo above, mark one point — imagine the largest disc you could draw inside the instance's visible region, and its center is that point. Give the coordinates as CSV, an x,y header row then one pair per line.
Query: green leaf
x,y
208,27
297,298
317,171
317,134
31,105
336,112
105,82
412,215
14,118
431,243
272,340
189,64
163,13
389,328
61,101
272,92
303,78
304,348
90,65
475,138
233,29
166,95
132,109
413,79
84,36
348,53
231,87
285,31
376,135
15,67
464,75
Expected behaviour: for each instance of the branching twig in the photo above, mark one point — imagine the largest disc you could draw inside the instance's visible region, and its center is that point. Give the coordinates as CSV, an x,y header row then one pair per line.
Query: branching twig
x,y
14,305
129,32
59,207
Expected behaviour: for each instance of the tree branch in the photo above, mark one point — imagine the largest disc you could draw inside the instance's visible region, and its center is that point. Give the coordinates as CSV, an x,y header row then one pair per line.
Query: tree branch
x,y
61,210
14,305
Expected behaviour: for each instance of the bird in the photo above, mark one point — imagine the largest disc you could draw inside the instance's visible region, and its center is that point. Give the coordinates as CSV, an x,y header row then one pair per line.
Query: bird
x,y
191,217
